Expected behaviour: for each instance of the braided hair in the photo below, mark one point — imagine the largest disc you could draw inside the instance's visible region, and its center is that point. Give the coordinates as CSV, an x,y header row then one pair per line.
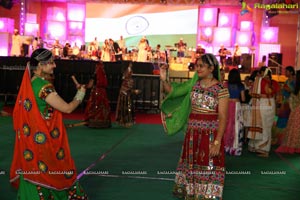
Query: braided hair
x,y
39,55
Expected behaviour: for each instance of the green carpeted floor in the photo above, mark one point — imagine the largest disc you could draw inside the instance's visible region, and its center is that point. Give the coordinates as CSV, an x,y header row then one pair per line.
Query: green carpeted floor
x,y
110,155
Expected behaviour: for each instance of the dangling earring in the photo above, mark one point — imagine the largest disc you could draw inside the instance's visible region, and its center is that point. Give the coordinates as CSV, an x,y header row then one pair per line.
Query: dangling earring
x,y
210,75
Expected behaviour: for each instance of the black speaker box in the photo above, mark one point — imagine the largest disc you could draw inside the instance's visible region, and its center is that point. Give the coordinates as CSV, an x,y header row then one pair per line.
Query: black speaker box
x,y
246,63
8,4
277,57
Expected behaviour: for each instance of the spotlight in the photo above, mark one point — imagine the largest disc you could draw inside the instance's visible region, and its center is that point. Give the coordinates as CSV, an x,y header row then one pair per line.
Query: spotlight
x,y
202,1
163,1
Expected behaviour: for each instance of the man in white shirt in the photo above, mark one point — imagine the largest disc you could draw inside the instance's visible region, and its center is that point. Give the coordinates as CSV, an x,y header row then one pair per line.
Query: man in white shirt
x,y
16,44
236,55
122,44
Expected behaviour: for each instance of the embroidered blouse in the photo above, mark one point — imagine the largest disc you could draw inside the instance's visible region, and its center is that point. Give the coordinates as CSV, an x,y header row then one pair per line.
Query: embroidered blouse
x,y
207,99
42,89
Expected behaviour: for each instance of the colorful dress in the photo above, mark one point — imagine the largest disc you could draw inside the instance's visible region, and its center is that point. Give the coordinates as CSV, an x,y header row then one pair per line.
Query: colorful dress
x,y
97,112
42,166
142,54
291,141
124,110
283,113
263,113
16,45
105,56
198,175
234,133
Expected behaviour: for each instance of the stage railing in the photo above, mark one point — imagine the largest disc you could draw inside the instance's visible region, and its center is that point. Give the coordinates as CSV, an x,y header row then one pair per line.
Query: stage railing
x,y
12,69
149,94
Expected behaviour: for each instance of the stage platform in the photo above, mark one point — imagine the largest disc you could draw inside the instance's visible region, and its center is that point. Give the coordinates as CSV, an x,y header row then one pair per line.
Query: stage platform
x,y
180,70
12,69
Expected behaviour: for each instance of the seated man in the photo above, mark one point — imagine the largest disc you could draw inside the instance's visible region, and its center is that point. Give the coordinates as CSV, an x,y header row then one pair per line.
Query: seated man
x,y
199,51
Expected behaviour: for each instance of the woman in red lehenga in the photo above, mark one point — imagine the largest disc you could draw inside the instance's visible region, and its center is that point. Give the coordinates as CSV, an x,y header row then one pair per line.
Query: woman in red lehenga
x,y
97,112
199,107
291,141
42,166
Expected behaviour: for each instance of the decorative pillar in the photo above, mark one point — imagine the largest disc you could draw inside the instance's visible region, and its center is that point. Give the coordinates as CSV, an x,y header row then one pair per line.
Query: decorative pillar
x,y
22,16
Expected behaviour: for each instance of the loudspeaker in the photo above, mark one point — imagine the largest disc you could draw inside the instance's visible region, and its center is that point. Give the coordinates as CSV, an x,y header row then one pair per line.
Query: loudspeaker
x,y
246,63
8,4
275,59
275,62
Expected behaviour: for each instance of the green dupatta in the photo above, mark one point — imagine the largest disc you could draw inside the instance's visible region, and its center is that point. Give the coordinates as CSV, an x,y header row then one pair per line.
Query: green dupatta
x,y
176,107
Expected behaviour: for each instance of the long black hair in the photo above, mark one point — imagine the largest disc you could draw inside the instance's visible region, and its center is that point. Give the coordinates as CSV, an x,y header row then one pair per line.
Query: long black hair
x,y
290,69
234,77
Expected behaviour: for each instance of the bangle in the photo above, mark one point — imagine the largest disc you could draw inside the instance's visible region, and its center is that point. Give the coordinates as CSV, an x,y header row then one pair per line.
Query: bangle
x,y
79,96
216,142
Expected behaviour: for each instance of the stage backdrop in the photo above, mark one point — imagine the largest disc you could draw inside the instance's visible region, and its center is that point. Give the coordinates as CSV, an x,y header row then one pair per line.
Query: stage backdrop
x,y
163,25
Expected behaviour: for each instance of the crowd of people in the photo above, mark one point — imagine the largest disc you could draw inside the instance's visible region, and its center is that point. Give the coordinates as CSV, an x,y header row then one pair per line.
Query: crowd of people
x,y
199,107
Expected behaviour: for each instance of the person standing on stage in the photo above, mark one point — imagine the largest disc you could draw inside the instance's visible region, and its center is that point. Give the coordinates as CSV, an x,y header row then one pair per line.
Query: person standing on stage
x,y
263,62
223,54
40,42
117,52
57,48
105,55
125,109
198,107
142,50
34,44
66,50
96,44
237,53
97,111
16,44
181,47
42,165
122,45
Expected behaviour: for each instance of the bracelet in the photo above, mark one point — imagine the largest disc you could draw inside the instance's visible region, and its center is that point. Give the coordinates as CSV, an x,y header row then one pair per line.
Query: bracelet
x,y
79,96
216,142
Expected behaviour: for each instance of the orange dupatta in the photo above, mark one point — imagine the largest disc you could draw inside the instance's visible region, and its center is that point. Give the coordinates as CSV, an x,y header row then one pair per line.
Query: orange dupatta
x,y
41,153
